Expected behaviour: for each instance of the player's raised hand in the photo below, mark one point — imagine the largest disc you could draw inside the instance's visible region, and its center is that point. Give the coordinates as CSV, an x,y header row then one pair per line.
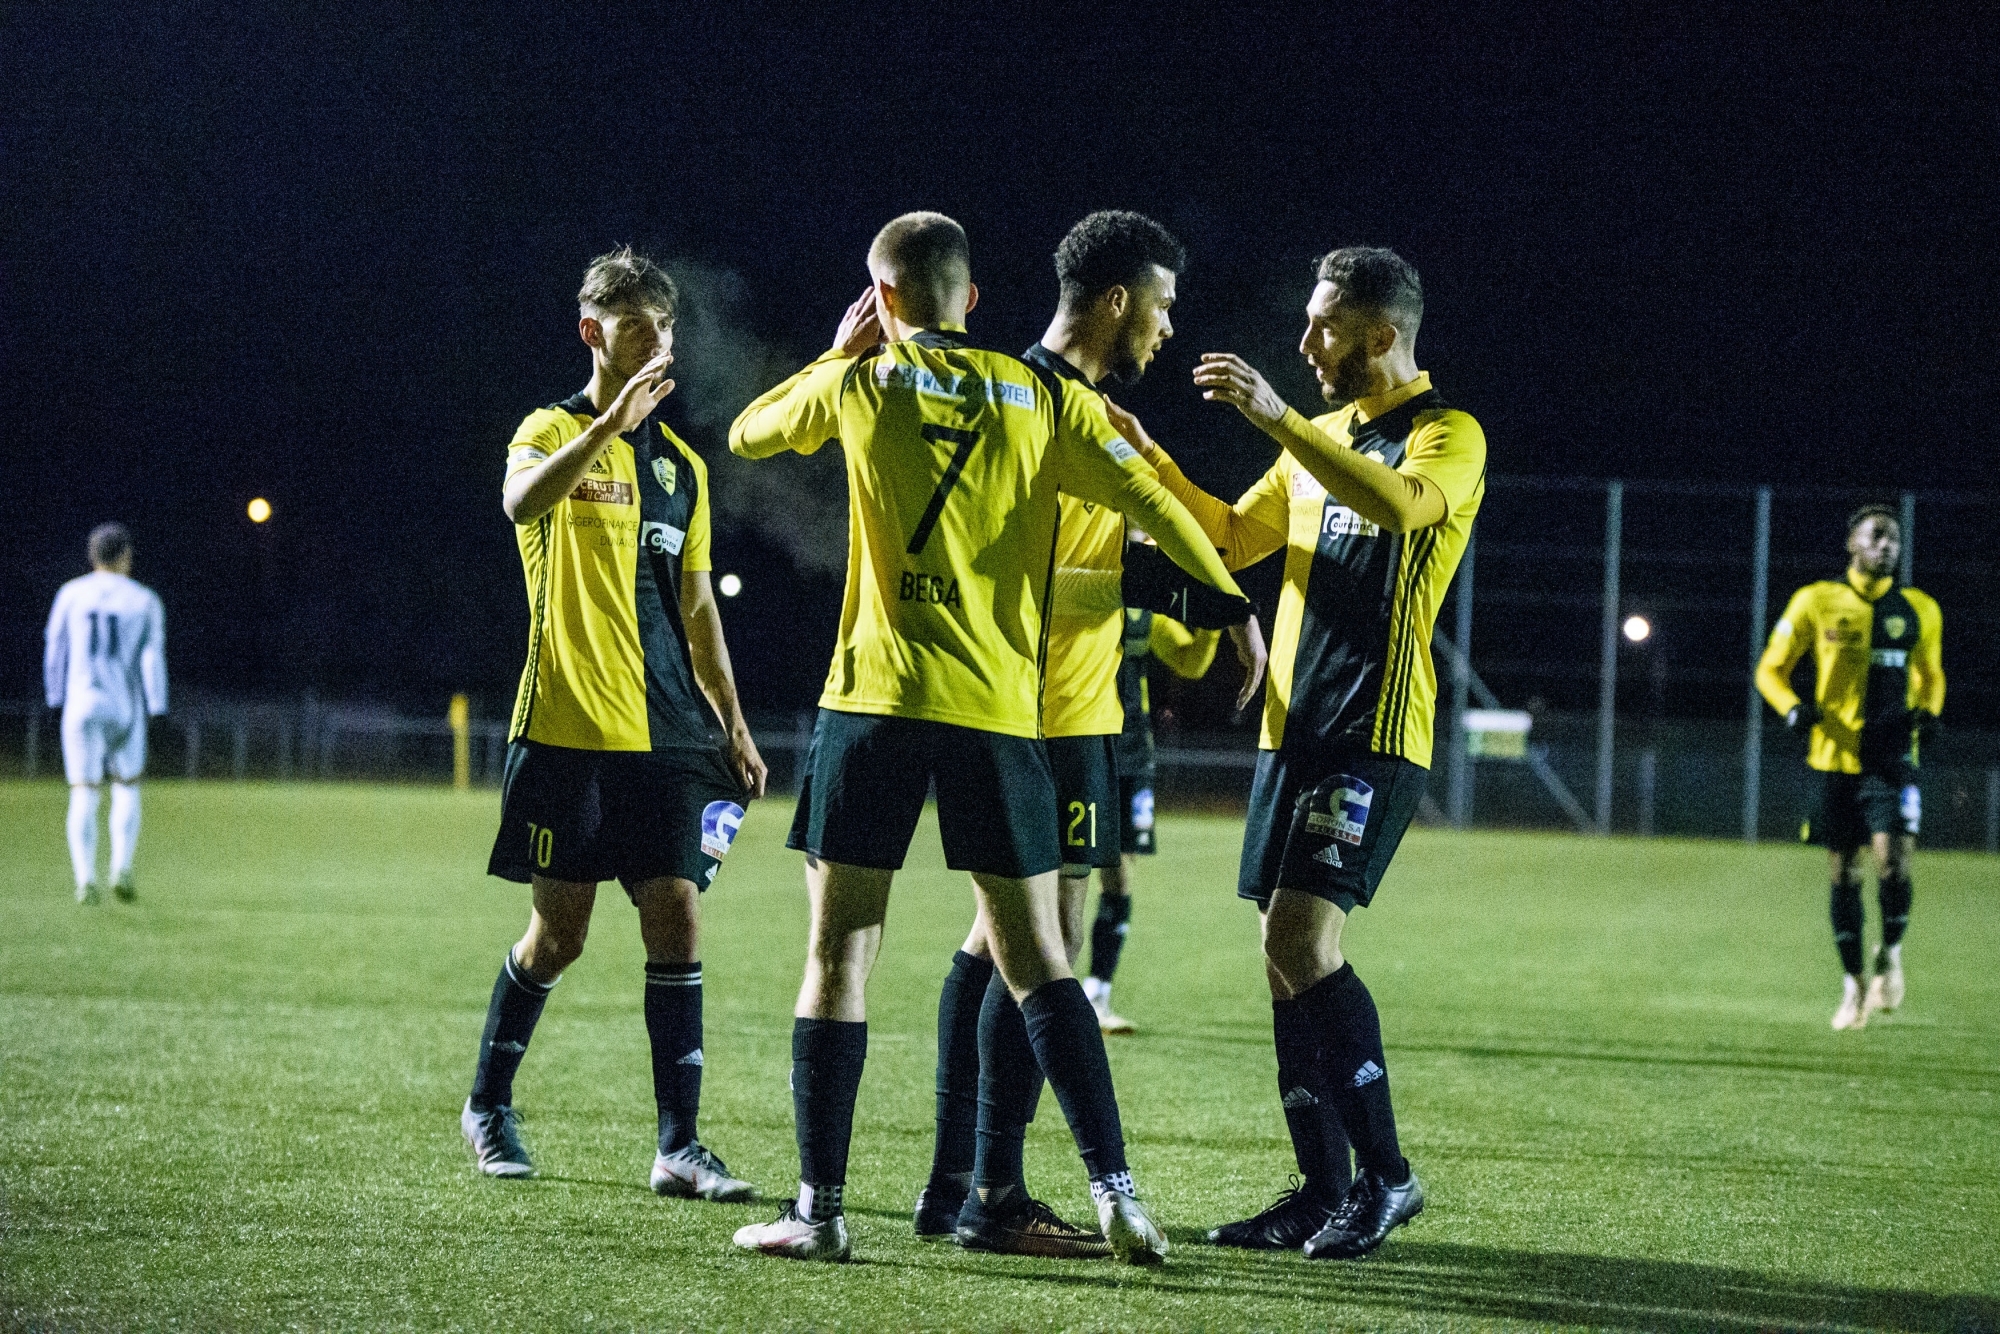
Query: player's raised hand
x,y
861,327
1249,641
641,394
1129,426
1225,377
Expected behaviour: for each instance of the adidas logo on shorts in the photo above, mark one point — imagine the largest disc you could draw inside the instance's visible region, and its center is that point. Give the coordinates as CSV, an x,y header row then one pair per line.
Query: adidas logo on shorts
x,y
1300,1097
1367,1074
692,1058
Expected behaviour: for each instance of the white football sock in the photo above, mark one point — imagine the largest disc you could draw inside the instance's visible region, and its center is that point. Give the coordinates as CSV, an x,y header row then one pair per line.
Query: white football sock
x,y
124,830
83,833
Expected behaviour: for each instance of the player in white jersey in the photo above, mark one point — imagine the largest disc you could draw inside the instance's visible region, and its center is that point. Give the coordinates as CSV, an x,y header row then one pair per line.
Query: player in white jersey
x,y
105,667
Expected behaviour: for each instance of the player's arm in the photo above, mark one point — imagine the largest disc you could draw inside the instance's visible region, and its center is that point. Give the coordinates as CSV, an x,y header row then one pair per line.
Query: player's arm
x,y
1789,640
1096,464
55,651
708,651
1400,500
1185,652
1246,532
153,659
803,413
537,479
1927,663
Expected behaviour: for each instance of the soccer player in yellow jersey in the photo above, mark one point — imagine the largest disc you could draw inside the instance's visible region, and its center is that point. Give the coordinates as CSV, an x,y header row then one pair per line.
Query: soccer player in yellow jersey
x,y
1372,504
616,768
1116,271
955,455
1878,687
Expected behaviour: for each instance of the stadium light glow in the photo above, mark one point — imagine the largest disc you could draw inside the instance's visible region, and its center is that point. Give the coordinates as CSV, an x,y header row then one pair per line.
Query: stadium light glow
x,y
729,585
260,510
1638,629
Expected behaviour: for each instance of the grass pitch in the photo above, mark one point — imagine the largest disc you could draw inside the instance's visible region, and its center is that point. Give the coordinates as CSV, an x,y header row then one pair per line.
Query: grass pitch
x,y
234,1104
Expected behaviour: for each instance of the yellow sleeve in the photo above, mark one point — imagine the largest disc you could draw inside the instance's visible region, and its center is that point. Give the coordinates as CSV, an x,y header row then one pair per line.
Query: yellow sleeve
x,y
800,415
1790,638
540,434
694,551
1927,665
1095,463
1448,450
1396,499
1246,532
1185,652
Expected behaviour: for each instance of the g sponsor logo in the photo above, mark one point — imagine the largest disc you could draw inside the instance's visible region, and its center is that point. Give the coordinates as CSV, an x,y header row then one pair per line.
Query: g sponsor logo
x,y
661,539
719,822
1142,809
1346,814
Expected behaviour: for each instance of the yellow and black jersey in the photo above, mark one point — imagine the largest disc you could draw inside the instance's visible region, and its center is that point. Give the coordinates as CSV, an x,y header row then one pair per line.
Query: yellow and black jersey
x,y
1350,648
1877,654
1150,637
955,456
608,665
1080,677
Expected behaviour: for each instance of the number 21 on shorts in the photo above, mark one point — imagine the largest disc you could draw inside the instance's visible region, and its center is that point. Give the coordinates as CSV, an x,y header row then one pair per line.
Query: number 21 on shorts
x,y
1078,812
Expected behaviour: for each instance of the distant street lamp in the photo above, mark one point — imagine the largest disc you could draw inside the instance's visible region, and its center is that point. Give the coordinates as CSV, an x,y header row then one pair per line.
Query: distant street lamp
x,y
260,510
729,585
1638,629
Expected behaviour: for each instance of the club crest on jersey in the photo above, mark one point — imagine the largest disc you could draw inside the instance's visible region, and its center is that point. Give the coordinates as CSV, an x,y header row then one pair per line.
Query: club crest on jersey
x,y
1895,625
1346,813
1305,486
719,822
664,473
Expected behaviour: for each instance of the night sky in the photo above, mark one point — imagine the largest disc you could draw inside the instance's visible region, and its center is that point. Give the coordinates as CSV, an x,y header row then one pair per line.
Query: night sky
x,y
331,259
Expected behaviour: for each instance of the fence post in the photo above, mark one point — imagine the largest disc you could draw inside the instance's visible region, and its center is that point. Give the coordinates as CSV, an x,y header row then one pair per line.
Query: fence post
x,y
1458,800
191,728
32,752
1607,669
1909,535
1993,810
459,715
239,752
1649,766
1753,718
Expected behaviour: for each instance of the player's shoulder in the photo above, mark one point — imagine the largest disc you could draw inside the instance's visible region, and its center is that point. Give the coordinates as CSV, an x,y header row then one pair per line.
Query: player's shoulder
x,y
565,419
1922,601
684,450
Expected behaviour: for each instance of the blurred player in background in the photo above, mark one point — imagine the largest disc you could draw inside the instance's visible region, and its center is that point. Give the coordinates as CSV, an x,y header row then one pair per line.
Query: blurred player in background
x,y
105,667
1149,638
615,766
1878,688
1372,504
1116,270
955,456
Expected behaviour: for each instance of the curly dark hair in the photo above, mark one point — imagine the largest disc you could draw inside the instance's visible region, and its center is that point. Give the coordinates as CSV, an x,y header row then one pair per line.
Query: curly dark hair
x,y
1376,279
626,278
1110,248
1873,511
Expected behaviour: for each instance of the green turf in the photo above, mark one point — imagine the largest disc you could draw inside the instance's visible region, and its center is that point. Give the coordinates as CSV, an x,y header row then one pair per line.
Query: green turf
x,y
234,1103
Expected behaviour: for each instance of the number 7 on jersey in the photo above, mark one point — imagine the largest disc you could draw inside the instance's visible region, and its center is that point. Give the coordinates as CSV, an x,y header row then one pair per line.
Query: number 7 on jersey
x,y
965,440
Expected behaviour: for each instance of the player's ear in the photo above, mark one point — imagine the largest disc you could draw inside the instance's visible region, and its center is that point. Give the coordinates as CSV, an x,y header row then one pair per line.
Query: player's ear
x,y
885,297
1381,338
591,331
971,296
1116,300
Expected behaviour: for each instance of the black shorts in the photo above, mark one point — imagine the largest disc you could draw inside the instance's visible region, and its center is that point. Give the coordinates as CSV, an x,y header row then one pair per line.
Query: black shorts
x,y
1326,824
1086,774
625,815
1135,804
866,777
1850,809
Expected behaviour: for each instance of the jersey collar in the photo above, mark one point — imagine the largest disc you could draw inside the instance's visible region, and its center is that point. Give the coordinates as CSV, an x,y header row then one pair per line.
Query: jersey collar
x,y
1368,409
1049,360
1869,589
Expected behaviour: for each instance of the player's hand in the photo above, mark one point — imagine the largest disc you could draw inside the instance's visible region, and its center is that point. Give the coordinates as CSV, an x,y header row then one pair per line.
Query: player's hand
x,y
745,762
1249,641
1135,434
1225,377
641,394
861,327
1802,716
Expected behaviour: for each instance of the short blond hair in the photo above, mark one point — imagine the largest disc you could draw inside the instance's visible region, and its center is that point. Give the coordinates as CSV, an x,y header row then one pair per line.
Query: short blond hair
x,y
927,259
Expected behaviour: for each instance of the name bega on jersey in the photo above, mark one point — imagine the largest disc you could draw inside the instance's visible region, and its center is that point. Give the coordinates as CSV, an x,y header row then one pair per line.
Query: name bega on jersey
x,y
935,589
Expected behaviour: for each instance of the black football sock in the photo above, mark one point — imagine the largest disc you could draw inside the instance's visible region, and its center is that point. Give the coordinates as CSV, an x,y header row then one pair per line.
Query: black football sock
x,y
1010,1085
1068,1046
1107,934
1355,1073
958,1068
673,1023
827,1056
510,1021
1894,893
1844,905
1319,1143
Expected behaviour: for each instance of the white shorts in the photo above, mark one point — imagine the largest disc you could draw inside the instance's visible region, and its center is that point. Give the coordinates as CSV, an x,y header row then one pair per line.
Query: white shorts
x,y
99,743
